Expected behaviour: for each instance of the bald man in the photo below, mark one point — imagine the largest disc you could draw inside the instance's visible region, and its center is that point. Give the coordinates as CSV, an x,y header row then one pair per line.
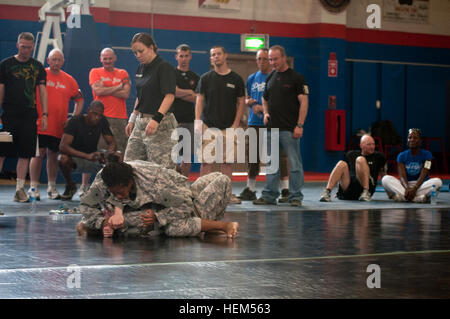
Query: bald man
x,y
357,174
111,86
61,89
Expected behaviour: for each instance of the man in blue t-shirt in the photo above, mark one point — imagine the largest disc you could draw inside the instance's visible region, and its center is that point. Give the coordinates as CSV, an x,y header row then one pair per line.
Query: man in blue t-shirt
x,y
256,84
413,166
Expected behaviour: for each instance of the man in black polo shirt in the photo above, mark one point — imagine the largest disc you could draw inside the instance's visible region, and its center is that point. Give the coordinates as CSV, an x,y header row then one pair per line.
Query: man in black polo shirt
x,y
78,146
183,107
221,94
285,103
151,125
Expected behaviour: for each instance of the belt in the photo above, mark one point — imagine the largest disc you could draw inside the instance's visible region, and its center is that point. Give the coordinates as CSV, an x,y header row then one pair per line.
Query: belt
x,y
149,116
144,115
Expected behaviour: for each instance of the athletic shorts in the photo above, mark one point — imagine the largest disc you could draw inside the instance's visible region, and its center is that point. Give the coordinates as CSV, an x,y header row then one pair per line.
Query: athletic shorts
x,y
117,127
353,191
50,142
24,133
228,146
82,165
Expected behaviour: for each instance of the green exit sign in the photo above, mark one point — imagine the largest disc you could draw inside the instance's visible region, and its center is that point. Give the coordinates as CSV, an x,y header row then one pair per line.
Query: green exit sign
x,y
254,42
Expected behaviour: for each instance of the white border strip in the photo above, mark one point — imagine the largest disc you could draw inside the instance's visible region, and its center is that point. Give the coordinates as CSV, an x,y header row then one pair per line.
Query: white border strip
x,y
101,267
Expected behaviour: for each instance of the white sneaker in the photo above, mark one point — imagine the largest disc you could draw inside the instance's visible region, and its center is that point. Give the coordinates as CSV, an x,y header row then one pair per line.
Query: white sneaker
x,y
326,196
365,196
422,199
52,193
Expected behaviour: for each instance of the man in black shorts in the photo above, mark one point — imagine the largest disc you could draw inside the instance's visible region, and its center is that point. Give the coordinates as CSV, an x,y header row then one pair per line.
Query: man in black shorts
x,y
357,174
78,145
20,75
61,89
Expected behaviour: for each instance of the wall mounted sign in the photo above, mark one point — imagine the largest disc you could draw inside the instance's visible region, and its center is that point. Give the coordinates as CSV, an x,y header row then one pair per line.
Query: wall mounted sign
x,y
332,65
412,11
220,4
254,42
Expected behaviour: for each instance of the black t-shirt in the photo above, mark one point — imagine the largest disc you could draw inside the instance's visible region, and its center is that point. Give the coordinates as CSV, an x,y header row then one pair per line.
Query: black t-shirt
x,y
85,137
375,161
20,80
153,82
221,93
183,110
281,93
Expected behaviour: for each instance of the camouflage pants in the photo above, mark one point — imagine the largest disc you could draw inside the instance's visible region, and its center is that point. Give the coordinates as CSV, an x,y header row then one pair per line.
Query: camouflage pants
x,y
211,195
155,148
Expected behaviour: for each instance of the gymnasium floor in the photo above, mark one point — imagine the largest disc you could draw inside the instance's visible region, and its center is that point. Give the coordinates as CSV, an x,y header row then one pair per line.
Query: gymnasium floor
x,y
321,250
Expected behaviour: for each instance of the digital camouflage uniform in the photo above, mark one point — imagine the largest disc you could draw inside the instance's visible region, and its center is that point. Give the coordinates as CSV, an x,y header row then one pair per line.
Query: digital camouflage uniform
x,y
155,148
178,206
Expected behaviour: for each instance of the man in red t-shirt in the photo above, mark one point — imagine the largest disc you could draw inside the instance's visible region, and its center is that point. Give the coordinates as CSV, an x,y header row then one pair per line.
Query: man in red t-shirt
x,y
61,89
111,86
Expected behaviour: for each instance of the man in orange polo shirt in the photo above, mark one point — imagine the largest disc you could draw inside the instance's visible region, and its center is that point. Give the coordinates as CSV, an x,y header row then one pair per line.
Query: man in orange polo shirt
x,y
61,89
111,86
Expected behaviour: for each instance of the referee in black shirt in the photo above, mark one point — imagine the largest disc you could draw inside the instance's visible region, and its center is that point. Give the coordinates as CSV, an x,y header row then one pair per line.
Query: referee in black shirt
x,y
150,125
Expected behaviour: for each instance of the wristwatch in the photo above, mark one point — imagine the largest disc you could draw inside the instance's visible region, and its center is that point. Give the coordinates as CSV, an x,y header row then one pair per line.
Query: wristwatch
x,y
300,125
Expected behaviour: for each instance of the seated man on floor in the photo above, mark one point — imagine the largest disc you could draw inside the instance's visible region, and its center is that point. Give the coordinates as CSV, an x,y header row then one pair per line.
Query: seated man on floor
x,y
143,199
78,146
413,166
357,174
